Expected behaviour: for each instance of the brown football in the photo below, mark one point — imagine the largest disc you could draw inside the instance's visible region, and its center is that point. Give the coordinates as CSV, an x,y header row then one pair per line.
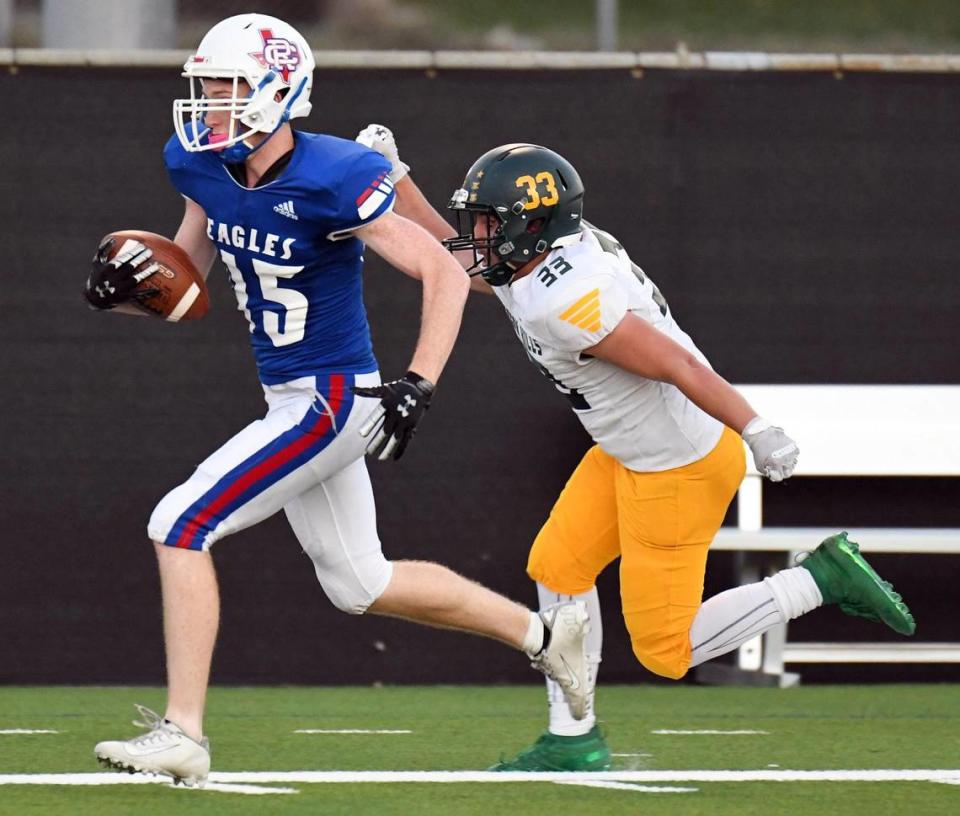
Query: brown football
x,y
182,291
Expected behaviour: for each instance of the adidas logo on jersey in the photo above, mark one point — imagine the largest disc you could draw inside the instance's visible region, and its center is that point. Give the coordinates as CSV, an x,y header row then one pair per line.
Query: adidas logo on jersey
x,y
286,208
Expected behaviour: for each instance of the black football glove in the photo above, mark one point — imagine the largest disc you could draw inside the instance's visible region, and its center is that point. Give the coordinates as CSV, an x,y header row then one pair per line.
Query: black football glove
x,y
393,422
115,281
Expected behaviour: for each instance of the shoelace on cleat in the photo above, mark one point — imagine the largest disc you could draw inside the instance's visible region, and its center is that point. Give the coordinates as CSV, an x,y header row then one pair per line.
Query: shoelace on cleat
x,y
151,719
158,730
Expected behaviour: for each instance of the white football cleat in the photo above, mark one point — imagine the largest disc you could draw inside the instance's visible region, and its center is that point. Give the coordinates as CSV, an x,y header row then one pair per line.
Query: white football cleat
x,y
164,749
564,656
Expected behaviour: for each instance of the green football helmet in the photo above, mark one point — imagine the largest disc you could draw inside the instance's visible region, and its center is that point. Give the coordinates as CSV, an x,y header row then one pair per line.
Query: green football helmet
x,y
529,198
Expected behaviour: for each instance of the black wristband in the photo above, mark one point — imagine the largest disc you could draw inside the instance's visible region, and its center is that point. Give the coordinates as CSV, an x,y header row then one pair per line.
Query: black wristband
x,y
422,383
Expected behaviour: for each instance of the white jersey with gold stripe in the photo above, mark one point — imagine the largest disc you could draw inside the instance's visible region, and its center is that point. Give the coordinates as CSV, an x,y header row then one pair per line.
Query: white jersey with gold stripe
x,y
570,302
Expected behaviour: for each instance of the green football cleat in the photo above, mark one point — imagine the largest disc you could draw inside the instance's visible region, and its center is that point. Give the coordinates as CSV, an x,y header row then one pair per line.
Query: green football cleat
x,y
844,577
550,752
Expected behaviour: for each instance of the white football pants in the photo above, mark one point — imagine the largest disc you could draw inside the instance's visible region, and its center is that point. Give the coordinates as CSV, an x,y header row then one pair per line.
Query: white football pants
x,y
305,457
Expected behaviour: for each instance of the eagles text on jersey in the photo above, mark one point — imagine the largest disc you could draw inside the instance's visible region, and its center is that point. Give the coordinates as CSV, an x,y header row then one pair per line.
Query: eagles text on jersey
x,y
290,252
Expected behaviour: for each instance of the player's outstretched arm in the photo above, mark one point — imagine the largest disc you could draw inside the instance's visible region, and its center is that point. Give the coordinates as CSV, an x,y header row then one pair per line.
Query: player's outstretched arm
x,y
636,346
403,402
412,250
411,203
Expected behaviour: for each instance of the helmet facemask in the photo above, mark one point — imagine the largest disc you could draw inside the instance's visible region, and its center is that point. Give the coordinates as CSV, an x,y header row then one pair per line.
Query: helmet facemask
x,y
261,110
501,252
489,249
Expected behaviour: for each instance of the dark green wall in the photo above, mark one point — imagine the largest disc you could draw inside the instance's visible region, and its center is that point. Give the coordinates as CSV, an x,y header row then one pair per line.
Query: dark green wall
x,y
803,227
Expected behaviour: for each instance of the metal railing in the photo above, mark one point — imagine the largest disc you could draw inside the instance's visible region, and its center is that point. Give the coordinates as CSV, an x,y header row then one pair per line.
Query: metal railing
x,y
636,62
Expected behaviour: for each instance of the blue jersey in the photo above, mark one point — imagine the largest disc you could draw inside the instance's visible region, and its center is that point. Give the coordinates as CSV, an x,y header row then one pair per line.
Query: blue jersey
x,y
295,265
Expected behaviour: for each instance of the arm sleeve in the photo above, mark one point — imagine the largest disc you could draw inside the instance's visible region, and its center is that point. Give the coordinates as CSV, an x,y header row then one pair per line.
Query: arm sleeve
x,y
582,314
365,194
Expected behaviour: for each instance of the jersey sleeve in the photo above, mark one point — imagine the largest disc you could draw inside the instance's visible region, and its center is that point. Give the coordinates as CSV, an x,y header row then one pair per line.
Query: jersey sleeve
x,y
365,194
584,312
174,159
181,169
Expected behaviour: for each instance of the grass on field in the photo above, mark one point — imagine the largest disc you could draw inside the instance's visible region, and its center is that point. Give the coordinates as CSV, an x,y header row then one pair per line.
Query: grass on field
x,y
460,728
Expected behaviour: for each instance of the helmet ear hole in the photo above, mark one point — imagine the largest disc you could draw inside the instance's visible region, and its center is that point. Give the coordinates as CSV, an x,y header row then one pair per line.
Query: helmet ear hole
x,y
535,225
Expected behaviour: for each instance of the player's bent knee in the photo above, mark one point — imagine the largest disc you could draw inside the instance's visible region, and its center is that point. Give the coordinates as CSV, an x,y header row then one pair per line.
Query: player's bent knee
x,y
183,519
158,528
176,522
673,669
538,560
667,655
550,565
354,589
347,599
174,532
660,637
345,602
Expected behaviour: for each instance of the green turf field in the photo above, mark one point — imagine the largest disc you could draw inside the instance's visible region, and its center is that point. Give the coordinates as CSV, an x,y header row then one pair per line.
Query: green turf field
x,y
458,729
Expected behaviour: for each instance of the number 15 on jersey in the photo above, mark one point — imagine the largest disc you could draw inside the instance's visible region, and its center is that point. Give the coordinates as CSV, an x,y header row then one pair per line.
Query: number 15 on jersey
x,y
285,325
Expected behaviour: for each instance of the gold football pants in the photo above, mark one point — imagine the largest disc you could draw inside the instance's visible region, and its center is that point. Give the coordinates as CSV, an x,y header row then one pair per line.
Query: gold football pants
x,y
661,525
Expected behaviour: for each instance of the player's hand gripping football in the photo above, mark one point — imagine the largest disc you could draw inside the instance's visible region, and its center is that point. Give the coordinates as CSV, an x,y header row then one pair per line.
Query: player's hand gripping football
x,y
393,422
380,138
774,453
115,281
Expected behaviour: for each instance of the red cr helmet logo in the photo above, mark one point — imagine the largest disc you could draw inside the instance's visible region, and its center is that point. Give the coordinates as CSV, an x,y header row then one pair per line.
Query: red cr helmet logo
x,y
279,54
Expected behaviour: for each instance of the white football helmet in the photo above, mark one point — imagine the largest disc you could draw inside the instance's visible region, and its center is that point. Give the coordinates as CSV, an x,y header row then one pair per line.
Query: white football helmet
x,y
266,53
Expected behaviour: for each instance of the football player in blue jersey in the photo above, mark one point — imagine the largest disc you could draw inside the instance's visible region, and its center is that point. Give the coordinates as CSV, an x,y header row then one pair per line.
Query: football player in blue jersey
x,y
288,213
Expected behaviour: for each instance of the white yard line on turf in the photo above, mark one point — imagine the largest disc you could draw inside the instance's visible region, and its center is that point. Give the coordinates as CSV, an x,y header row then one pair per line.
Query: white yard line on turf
x,y
255,790
349,731
10,731
631,755
882,775
709,731
949,775
628,786
132,779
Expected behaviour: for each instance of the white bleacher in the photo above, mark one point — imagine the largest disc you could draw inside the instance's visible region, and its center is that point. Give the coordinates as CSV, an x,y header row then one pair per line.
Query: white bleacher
x,y
845,430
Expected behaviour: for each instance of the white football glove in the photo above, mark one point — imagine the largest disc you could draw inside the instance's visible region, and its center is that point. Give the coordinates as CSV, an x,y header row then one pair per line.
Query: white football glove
x,y
774,453
380,138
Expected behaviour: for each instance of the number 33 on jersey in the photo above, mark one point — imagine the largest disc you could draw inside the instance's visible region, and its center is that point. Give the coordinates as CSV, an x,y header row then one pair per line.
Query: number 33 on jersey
x,y
288,246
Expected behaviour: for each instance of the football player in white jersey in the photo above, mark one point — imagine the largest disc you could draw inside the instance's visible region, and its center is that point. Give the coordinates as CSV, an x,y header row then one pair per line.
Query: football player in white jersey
x,y
283,206
669,435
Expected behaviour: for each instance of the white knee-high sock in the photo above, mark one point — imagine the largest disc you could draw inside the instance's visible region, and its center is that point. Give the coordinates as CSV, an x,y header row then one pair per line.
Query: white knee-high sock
x,y
731,618
562,722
